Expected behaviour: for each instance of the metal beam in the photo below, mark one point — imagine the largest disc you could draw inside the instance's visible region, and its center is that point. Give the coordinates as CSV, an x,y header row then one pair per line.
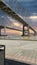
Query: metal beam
x,y
13,29
9,28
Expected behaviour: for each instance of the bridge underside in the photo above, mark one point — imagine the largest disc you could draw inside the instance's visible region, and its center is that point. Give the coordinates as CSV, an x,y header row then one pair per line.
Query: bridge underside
x,y
3,27
14,15
25,32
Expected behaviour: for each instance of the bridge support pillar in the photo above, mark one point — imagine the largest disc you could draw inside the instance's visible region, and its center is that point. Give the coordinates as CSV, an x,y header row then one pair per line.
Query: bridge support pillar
x,y
35,33
28,30
0,31
25,30
4,30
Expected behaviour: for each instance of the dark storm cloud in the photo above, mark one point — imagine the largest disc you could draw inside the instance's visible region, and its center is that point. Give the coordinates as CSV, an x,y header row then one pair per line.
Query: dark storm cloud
x,y
31,5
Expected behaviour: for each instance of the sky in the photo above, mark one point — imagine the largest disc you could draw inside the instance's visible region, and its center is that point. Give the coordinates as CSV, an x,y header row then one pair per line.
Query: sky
x,y
31,7
28,7
6,20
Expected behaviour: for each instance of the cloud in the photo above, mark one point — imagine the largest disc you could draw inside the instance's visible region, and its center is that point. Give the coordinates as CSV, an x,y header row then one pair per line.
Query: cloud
x,y
33,17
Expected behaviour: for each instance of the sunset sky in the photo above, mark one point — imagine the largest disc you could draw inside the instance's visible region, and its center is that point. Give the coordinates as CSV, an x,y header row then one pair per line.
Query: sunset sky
x,y
31,8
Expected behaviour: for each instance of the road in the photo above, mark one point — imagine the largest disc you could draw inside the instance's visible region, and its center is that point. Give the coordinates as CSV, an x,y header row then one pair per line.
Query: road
x,y
20,50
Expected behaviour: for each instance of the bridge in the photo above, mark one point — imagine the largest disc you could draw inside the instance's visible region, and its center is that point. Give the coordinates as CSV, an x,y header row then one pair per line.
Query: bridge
x,y
15,12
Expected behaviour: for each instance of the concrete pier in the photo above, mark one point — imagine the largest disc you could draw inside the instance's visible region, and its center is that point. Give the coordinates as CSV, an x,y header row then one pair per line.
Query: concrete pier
x,y
25,30
0,31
